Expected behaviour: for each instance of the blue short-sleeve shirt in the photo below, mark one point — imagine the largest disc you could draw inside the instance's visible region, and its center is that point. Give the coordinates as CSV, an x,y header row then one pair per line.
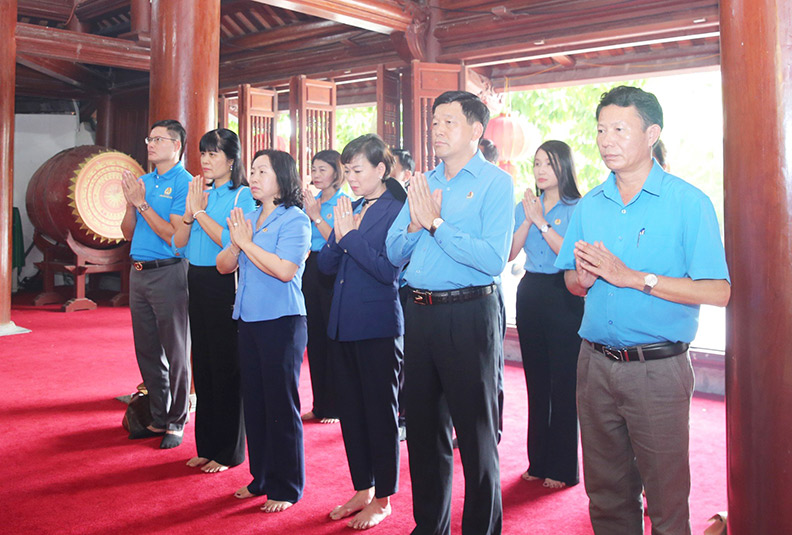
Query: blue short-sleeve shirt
x,y
260,297
201,249
166,195
539,257
669,228
472,246
317,240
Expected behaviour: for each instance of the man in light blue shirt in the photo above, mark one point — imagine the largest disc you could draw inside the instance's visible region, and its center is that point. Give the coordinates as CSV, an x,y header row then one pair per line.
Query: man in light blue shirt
x,y
158,282
645,249
455,232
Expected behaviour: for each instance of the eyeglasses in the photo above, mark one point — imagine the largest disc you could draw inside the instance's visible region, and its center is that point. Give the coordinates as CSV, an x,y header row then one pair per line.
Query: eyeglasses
x,y
158,139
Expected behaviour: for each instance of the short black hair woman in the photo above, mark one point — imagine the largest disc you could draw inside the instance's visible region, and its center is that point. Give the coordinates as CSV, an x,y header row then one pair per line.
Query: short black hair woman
x,y
366,318
269,246
548,318
219,428
327,175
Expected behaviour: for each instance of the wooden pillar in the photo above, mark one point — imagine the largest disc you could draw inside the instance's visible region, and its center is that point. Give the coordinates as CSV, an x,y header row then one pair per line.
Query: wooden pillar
x,y
140,21
756,54
8,16
104,121
185,58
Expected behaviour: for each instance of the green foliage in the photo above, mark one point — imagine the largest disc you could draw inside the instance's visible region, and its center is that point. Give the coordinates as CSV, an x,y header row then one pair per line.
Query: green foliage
x,y
354,122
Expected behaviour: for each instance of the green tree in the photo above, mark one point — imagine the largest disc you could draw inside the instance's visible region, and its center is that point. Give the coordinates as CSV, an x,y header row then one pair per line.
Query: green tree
x,y
354,122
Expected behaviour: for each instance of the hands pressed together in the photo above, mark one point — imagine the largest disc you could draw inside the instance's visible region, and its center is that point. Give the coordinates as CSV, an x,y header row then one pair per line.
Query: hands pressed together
x,y
134,189
312,206
197,198
239,228
595,260
534,211
344,219
424,204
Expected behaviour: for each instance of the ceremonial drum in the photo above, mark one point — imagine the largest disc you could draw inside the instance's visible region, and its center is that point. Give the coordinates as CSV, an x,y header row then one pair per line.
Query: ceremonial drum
x,y
78,191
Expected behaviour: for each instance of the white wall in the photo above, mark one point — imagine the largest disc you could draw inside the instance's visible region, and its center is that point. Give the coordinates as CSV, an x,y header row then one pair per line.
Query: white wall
x,y
36,139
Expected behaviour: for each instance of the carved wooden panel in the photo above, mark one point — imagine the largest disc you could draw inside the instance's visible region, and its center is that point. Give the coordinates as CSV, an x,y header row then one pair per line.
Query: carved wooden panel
x,y
312,105
258,116
389,106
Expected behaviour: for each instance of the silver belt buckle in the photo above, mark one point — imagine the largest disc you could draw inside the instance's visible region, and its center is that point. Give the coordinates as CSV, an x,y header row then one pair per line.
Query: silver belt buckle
x,y
614,354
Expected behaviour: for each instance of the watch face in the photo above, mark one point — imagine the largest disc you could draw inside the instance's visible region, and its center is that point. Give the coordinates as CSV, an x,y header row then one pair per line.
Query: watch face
x,y
650,280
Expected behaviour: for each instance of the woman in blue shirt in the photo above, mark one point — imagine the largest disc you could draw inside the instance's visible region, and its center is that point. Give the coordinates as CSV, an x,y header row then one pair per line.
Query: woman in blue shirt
x,y
327,176
366,318
548,318
219,429
269,246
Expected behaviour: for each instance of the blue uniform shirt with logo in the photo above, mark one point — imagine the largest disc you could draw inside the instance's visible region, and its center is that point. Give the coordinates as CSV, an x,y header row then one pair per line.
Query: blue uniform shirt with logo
x,y
669,228
539,257
260,297
201,249
166,195
471,247
326,208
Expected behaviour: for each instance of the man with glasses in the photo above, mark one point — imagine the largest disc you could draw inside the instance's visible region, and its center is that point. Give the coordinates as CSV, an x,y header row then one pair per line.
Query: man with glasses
x,y
158,282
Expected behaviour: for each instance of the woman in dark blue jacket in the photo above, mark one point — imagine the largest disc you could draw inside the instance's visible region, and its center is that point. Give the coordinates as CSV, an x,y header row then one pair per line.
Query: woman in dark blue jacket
x,y
366,318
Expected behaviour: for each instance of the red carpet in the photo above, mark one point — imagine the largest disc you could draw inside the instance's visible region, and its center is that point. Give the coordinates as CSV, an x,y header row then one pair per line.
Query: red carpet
x,y
68,466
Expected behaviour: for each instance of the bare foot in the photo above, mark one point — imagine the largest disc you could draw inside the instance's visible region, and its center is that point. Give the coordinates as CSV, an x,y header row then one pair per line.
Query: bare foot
x,y
274,506
357,503
243,493
308,416
528,477
213,467
553,484
329,420
197,461
375,512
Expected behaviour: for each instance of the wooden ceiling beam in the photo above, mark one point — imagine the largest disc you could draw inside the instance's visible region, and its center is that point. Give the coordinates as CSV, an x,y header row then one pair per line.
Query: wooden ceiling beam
x,y
298,31
380,16
65,71
39,41
88,10
258,55
55,10
31,83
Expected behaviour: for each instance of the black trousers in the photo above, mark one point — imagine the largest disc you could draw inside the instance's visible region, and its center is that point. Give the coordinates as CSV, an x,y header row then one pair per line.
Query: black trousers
x,y
368,380
548,318
219,427
270,355
318,291
451,359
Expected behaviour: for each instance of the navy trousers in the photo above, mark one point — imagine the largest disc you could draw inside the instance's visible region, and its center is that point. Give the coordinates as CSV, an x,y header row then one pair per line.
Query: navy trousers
x,y
270,356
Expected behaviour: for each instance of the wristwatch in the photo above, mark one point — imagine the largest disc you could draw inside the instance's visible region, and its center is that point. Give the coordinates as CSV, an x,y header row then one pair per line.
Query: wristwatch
x,y
143,207
318,220
436,222
544,228
650,281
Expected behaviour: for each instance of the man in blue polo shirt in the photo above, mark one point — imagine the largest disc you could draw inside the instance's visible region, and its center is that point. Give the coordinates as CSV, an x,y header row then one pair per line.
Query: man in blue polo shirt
x,y
645,249
158,282
455,232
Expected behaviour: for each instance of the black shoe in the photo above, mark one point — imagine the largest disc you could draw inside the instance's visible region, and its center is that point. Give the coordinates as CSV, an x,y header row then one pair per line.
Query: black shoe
x,y
145,433
170,440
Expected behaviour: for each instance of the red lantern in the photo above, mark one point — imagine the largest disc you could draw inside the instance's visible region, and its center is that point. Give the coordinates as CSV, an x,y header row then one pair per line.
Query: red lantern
x,y
511,135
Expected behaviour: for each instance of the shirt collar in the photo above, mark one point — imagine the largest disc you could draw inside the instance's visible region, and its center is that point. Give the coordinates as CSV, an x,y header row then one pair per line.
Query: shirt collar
x,y
224,188
651,185
473,167
172,172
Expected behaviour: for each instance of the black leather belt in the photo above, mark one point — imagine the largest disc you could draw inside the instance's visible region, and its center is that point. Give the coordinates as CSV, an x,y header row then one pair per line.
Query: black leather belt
x,y
151,264
660,350
429,297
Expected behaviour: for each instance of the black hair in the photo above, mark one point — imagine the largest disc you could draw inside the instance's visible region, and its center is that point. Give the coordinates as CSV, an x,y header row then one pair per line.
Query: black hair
x,y
373,148
489,150
289,182
560,156
405,159
333,159
174,127
225,141
474,109
645,103
659,153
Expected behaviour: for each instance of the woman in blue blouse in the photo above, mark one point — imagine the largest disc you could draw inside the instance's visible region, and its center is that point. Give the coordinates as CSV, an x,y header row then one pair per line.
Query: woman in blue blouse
x,y
366,318
327,176
269,246
548,318
219,428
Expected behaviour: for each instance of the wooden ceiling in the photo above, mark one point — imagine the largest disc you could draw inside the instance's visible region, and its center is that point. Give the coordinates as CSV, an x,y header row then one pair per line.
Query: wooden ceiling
x,y
78,49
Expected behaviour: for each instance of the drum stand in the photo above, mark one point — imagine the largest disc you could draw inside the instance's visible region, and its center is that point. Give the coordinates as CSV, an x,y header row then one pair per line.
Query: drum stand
x,y
79,260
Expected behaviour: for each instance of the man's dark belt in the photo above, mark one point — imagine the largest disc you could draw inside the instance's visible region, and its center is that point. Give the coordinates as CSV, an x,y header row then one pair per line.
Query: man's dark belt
x,y
429,297
151,264
660,350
